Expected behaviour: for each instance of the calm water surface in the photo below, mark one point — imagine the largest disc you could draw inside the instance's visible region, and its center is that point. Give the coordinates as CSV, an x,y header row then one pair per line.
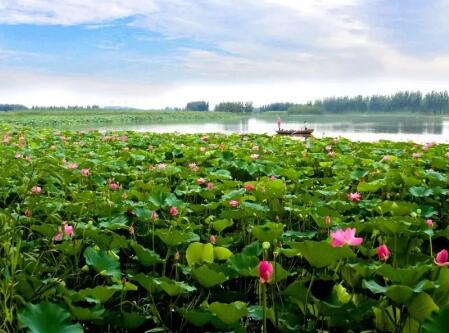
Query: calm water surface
x,y
420,129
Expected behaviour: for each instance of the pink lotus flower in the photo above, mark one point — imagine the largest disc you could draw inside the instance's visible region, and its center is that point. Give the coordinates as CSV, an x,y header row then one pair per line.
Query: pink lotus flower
x,y
173,211
234,203
36,190
212,239
58,237
73,166
27,212
6,138
154,216
429,223
383,253
114,186
354,197
273,177
68,230
265,271
441,258
85,172
342,237
447,154
416,155
193,166
210,185
249,187
201,181
328,220
254,156
161,166
386,158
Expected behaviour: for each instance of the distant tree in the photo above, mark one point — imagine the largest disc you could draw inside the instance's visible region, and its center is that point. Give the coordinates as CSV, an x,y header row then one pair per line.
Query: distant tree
x,y
197,106
12,107
237,107
275,107
305,109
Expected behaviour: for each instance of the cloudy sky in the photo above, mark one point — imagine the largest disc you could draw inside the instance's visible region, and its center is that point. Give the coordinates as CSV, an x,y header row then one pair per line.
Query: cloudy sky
x,y
157,53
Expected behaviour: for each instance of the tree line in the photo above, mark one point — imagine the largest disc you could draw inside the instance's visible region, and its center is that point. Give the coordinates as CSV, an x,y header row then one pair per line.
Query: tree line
x,y
12,107
404,101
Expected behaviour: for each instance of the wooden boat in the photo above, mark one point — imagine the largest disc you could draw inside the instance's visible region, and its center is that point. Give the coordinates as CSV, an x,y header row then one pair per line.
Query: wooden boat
x,y
302,132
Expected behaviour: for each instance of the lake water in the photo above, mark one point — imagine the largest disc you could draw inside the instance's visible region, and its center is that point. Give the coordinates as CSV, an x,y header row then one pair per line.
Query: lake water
x,y
421,129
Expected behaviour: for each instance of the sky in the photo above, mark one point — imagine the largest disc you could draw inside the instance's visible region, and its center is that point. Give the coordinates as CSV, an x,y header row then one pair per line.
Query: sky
x,y
159,53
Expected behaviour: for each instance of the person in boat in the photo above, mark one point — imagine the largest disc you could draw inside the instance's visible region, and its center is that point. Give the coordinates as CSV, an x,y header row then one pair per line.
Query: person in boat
x,y
278,122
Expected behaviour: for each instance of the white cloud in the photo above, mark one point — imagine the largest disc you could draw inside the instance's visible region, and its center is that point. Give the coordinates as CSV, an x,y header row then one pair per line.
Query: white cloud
x,y
69,12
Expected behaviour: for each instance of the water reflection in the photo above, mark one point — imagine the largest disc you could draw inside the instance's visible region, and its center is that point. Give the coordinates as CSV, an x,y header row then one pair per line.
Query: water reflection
x,y
361,128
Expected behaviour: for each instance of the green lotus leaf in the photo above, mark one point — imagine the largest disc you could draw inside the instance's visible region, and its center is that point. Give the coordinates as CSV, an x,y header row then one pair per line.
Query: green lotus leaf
x,y
229,313
198,253
103,262
207,276
47,318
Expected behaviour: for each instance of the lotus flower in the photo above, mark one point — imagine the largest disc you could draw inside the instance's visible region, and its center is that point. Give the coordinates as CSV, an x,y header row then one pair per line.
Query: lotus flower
x,y
201,181
73,166
273,177
441,258
161,166
114,186
249,187
193,166
68,230
416,155
36,190
265,271
386,157
27,212
429,223
447,154
383,252
85,172
58,237
331,154
254,156
234,203
342,237
212,239
354,197
154,216
210,185
202,149
173,211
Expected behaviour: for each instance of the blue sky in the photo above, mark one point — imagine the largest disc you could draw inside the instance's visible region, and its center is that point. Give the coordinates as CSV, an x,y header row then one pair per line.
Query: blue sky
x,y
156,53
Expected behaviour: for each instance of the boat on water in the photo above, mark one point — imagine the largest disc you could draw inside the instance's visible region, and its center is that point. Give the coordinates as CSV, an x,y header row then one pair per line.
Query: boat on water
x,y
302,132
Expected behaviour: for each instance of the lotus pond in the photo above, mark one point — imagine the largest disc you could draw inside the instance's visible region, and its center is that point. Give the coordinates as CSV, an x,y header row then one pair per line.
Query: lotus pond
x,y
142,232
